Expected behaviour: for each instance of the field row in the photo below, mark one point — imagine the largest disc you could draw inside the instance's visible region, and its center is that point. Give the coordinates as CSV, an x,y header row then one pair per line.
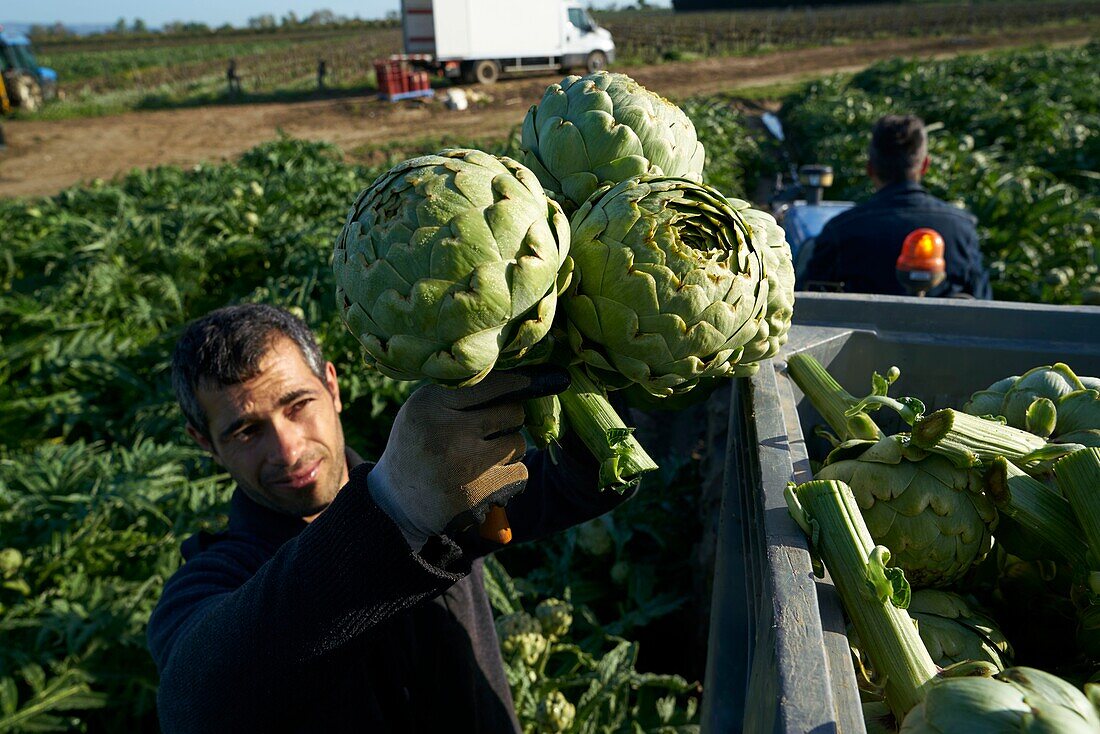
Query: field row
x,y
192,70
651,37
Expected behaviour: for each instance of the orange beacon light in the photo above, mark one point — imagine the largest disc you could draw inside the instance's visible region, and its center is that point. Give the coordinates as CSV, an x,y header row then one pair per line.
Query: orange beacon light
x,y
920,266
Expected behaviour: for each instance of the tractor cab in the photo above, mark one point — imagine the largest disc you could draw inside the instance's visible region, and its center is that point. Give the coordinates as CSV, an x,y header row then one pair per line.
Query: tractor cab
x,y
26,83
797,202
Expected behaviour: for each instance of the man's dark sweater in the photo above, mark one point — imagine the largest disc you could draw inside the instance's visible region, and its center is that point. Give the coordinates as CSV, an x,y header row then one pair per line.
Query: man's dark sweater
x,y
278,625
858,249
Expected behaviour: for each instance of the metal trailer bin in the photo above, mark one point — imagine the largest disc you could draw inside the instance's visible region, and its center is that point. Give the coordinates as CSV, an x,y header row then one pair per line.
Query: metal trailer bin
x,y
778,658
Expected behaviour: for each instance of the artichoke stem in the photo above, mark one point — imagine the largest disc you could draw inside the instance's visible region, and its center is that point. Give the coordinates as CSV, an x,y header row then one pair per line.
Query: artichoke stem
x,y
830,399
1036,507
543,421
968,440
1078,477
590,415
874,596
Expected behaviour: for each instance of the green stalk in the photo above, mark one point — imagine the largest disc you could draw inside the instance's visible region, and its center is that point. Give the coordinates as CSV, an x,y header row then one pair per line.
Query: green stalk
x,y
969,440
588,413
874,595
830,399
1078,477
1038,508
543,420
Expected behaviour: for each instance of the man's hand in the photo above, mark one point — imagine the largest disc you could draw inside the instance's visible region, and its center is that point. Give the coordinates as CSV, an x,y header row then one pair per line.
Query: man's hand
x,y
454,452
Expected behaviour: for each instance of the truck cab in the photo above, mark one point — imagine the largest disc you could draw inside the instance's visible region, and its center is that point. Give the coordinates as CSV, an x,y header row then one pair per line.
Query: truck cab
x,y
585,44
27,84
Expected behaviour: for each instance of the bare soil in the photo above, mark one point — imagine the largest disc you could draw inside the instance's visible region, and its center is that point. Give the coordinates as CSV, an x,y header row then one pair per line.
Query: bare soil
x,y
45,156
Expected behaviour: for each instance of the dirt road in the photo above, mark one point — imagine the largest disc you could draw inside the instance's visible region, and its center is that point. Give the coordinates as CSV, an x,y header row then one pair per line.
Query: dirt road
x,y
44,157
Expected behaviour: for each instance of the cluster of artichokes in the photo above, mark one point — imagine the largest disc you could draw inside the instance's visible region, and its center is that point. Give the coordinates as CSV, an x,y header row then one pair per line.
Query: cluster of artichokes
x,y
1050,401
1017,471
926,695
455,264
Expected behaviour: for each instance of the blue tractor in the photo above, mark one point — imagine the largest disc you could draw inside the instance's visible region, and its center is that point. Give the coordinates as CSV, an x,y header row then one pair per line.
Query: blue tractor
x,y
27,84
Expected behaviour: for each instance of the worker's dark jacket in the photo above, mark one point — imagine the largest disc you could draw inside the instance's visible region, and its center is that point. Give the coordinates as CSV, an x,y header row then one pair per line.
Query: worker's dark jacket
x,y
857,250
337,626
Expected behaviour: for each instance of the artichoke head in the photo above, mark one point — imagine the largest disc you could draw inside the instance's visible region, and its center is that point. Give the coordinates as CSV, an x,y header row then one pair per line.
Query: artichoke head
x,y
554,714
1049,401
780,270
605,128
955,630
450,265
1014,700
521,637
932,516
669,287
555,616
594,538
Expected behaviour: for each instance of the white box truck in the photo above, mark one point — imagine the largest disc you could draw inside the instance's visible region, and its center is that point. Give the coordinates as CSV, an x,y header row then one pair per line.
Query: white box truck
x,y
477,40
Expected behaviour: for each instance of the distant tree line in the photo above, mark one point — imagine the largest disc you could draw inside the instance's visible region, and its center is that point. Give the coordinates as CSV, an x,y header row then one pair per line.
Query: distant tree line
x,y
266,22
744,4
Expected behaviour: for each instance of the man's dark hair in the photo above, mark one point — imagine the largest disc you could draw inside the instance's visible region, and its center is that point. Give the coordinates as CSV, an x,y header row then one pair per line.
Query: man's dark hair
x,y
225,348
898,147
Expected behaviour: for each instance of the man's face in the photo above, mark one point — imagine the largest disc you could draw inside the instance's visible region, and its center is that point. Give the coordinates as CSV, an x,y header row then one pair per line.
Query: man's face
x,y
279,434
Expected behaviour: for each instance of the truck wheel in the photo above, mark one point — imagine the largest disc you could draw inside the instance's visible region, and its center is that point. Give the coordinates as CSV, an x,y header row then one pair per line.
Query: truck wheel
x,y
597,61
486,71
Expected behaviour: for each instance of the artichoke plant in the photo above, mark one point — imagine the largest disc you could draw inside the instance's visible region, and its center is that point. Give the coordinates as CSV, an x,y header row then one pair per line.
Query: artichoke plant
x,y
933,516
670,286
450,265
606,128
1050,401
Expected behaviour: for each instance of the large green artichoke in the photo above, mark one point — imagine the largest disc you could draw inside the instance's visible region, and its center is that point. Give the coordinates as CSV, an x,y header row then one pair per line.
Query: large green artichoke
x,y
449,265
780,270
932,516
1050,401
605,128
669,285
955,630
1014,701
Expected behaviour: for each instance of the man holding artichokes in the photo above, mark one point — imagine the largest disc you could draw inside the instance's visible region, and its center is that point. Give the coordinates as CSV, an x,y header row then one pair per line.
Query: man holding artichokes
x,y
345,595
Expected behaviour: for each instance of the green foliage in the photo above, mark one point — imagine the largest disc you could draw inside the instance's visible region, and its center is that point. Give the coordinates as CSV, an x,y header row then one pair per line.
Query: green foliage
x,y
1013,137
99,484
732,154
603,689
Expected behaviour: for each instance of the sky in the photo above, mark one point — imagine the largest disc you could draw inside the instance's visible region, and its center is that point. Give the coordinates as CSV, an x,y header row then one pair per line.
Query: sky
x,y
211,12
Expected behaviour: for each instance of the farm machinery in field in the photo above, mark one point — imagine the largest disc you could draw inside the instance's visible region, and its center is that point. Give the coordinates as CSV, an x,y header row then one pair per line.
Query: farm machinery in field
x,y
797,201
798,205
26,85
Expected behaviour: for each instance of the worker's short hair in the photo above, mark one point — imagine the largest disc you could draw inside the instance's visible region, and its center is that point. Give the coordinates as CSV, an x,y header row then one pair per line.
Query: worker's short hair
x,y
899,144
225,347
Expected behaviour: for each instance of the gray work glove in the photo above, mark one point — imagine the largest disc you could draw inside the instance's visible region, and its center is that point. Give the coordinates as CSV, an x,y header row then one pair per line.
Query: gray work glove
x,y
454,452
